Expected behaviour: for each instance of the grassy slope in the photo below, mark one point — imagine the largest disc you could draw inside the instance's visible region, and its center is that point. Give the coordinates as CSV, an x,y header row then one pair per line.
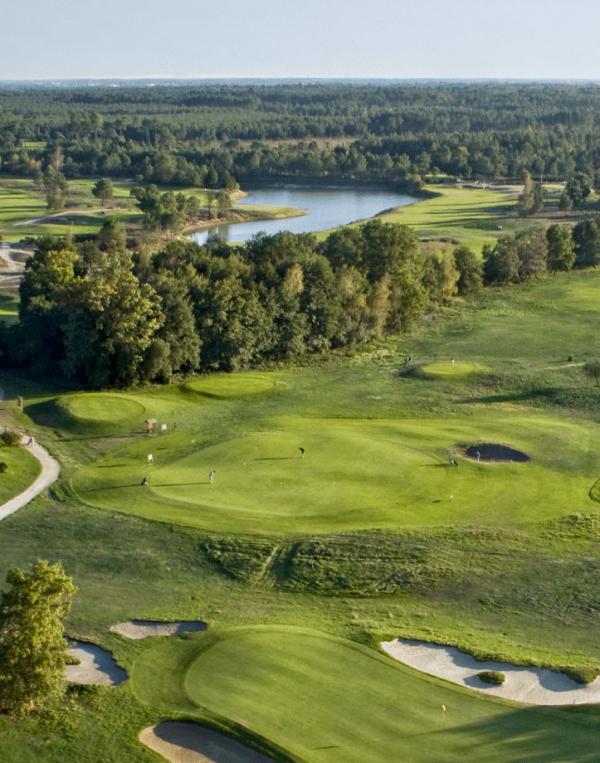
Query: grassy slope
x,y
496,590
22,469
329,692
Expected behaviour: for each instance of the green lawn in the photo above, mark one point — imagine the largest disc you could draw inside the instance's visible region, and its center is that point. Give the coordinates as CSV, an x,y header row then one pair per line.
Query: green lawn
x,y
22,469
471,216
349,542
326,699
356,474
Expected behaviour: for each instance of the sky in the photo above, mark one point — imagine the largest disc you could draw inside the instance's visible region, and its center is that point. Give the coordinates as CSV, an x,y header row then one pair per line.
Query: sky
x,y
449,39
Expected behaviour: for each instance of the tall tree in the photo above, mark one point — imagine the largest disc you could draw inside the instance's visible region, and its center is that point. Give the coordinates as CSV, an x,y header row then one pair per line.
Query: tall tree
x,y
561,247
32,640
586,237
103,190
470,271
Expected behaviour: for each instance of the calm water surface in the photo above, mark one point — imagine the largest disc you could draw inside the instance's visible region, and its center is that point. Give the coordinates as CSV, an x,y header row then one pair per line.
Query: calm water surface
x,y
327,208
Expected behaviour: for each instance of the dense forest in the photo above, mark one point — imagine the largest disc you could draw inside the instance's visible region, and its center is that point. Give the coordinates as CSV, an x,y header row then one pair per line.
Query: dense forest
x,y
210,134
105,314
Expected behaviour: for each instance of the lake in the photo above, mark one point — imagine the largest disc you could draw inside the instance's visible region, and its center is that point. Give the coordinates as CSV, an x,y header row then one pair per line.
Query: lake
x,y
326,207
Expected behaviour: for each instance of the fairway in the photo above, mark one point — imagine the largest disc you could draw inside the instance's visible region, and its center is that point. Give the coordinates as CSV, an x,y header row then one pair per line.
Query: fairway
x,y
467,215
327,699
356,474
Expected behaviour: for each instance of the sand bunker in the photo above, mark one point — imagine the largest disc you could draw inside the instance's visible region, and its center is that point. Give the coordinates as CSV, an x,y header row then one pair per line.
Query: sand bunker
x,y
96,666
489,451
192,743
534,686
139,629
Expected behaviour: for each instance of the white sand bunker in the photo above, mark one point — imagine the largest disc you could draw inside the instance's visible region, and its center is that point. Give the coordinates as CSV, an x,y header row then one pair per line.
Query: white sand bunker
x,y
96,666
192,743
535,686
139,629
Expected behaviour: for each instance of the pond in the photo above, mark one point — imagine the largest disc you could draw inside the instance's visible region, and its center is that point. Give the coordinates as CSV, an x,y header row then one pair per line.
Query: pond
x,y
325,207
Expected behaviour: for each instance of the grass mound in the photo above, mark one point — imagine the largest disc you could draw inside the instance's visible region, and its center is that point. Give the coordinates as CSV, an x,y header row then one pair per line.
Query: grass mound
x,y
302,690
446,369
232,386
355,474
99,408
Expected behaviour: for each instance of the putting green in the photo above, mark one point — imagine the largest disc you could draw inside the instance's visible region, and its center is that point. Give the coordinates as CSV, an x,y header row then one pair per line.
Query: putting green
x,y
101,408
356,474
445,369
227,386
327,699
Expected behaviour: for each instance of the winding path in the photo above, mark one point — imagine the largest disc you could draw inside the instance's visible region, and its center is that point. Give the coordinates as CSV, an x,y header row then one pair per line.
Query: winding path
x,y
48,475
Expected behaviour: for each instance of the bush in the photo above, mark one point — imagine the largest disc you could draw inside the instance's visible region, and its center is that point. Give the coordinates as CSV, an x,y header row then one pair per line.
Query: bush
x,y
3,467
492,677
11,438
582,675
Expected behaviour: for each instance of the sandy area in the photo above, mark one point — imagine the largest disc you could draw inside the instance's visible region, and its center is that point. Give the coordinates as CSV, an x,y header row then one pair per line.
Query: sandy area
x,y
139,629
534,686
96,666
192,743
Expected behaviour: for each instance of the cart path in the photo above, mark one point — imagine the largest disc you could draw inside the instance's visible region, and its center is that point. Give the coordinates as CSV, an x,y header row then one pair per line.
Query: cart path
x,y
48,475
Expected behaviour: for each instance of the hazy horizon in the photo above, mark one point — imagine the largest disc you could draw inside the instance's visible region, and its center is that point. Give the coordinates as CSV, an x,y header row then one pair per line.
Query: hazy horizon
x,y
384,40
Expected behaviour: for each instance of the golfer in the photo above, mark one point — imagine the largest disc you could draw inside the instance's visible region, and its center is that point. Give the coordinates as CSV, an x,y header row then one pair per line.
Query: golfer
x,y
301,452
211,476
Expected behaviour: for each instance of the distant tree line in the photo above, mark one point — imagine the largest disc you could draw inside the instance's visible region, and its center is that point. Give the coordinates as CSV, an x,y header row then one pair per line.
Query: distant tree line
x,y
104,315
212,135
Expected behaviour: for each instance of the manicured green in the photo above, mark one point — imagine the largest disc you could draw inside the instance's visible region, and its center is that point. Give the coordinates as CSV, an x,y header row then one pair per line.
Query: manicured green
x,y
230,386
447,369
356,474
103,408
328,699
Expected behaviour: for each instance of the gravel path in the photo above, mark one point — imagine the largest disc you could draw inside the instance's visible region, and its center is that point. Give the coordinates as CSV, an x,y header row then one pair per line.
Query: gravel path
x,y
48,475
192,743
534,686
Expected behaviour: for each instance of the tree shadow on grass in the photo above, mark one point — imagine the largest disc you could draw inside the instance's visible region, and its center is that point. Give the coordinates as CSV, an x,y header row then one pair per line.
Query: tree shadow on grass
x,y
138,484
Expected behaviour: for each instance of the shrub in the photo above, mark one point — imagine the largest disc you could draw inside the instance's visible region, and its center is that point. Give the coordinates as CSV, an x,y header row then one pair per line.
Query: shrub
x,y
11,438
3,467
582,675
492,677
592,370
